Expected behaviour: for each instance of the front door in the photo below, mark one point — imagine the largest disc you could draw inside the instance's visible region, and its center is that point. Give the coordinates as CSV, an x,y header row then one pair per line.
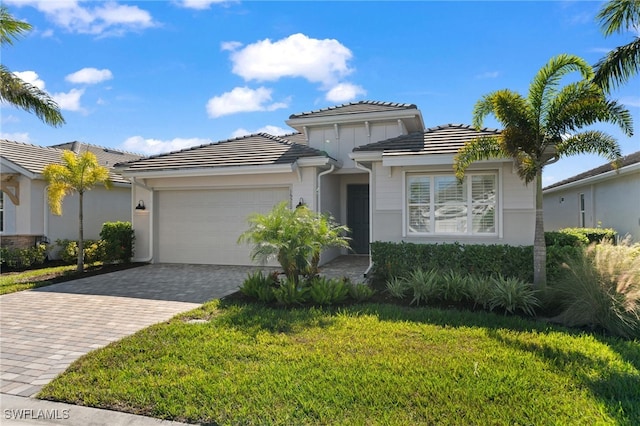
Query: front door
x,y
358,217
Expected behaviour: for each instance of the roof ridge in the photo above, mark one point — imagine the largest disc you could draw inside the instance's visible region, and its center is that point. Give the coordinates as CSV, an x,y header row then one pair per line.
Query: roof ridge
x,y
51,148
105,148
363,102
460,126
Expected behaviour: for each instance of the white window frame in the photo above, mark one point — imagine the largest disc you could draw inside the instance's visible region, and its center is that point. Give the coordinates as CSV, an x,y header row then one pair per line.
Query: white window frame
x,y
581,205
2,212
406,232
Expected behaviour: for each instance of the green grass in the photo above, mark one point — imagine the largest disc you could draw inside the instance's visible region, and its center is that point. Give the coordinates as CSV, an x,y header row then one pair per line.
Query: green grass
x,y
368,364
12,282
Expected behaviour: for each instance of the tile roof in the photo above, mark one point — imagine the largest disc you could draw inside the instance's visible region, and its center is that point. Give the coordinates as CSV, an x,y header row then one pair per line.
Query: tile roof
x,y
252,150
627,160
445,139
34,158
355,108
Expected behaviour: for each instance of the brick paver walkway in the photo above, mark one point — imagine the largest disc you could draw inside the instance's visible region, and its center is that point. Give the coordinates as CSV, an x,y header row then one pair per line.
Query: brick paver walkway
x,y
43,331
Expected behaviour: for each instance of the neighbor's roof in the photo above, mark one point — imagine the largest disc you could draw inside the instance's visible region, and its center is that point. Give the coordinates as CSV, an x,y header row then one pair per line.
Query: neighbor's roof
x,y
354,108
252,150
34,158
625,161
445,139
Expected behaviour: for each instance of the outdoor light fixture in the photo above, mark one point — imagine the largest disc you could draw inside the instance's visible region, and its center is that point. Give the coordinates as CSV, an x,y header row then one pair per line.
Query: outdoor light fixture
x,y
140,205
300,203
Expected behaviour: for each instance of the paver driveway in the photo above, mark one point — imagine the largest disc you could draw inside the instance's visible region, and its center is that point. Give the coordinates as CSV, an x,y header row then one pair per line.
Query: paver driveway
x,y
44,330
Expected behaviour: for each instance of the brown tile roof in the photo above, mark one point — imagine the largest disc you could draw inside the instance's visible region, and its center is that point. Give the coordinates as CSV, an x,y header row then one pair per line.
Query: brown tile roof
x,y
252,150
354,108
34,158
445,139
627,160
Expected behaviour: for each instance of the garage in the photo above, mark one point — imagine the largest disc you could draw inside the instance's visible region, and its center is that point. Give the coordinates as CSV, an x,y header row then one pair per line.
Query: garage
x,y
203,226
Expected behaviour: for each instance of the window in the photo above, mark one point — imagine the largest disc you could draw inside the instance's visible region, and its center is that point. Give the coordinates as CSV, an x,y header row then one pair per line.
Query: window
x,y
438,204
581,210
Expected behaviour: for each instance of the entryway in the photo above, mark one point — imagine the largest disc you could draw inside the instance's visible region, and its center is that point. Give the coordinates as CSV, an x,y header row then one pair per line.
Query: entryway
x,y
358,217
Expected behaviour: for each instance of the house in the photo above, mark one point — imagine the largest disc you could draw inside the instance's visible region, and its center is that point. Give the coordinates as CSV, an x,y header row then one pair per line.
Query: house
x,y
25,217
372,165
600,197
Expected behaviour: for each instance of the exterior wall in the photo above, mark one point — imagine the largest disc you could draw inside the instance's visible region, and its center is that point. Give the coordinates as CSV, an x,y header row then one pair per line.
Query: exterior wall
x,y
350,136
611,203
516,206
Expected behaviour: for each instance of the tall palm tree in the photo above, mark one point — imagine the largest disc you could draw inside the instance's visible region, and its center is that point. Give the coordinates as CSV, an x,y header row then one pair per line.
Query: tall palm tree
x,y
77,173
16,91
623,62
543,127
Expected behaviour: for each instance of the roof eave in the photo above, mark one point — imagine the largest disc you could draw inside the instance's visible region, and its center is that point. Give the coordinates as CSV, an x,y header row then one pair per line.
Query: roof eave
x,y
406,114
366,156
426,159
318,162
210,171
594,179
26,172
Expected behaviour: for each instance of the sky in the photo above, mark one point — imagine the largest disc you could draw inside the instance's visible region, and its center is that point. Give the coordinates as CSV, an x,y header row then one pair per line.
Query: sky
x,y
158,76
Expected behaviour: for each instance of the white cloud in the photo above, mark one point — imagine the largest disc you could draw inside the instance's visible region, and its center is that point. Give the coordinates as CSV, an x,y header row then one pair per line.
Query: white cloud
x,y
230,45
242,99
104,18
488,74
30,77
272,130
7,119
89,76
157,146
344,92
318,61
69,101
17,137
631,101
199,4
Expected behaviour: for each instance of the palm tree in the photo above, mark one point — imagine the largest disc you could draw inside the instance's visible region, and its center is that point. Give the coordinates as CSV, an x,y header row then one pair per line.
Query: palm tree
x,y
16,91
543,127
77,173
623,62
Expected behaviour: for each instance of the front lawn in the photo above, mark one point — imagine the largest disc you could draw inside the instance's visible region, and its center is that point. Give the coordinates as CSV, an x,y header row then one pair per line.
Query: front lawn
x,y
236,363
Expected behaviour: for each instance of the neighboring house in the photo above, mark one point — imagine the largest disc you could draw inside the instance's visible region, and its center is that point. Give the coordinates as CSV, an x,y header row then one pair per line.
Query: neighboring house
x,y
371,165
600,197
25,217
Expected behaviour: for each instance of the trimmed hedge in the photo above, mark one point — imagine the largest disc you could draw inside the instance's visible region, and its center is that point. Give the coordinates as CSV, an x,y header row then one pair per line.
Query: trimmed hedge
x,y
118,238
593,235
400,259
23,258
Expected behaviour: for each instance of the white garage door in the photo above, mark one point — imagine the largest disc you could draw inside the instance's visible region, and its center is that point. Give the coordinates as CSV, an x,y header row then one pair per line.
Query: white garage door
x,y
203,226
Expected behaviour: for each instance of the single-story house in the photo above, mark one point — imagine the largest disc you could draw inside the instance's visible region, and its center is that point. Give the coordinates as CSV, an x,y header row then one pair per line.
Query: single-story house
x,y
25,217
372,165
600,197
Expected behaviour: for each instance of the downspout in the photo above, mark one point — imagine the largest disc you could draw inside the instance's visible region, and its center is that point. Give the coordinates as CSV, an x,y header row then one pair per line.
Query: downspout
x,y
318,190
370,171
151,213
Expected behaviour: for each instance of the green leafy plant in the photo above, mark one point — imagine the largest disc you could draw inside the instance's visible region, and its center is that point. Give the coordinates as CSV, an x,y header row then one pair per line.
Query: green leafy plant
x,y
291,292
565,238
118,238
93,251
397,287
327,291
602,289
479,290
423,284
259,286
23,258
453,286
360,292
293,237
511,295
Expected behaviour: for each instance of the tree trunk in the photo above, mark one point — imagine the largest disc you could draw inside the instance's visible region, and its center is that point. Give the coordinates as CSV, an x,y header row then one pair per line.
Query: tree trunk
x,y
80,235
539,245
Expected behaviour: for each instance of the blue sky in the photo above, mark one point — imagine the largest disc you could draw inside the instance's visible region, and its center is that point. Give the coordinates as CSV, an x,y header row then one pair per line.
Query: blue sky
x,y
156,76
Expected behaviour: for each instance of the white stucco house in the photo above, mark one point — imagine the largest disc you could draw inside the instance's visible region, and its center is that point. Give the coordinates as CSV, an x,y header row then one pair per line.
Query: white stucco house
x,y
25,217
600,197
372,165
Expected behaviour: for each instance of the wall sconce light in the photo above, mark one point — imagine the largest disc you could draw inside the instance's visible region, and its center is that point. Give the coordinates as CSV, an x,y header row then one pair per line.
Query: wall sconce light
x,y
140,205
301,203
561,200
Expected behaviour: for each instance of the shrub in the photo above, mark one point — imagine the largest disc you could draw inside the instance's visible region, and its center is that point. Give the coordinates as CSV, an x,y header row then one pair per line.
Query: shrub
x,y
511,295
360,292
19,258
93,251
290,292
118,238
593,235
453,286
479,290
565,238
423,284
397,287
327,291
602,289
259,286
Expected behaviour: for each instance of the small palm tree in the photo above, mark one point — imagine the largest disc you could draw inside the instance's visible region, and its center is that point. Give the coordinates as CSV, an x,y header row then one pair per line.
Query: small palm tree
x,y
623,62
294,237
77,173
16,91
545,126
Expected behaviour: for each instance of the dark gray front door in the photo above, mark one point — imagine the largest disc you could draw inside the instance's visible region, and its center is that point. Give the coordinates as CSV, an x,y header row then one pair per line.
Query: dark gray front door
x,y
358,217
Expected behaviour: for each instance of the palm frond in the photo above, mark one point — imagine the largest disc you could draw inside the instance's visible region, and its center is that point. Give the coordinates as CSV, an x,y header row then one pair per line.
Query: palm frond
x,y
591,142
28,97
11,28
618,15
507,106
481,148
618,66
